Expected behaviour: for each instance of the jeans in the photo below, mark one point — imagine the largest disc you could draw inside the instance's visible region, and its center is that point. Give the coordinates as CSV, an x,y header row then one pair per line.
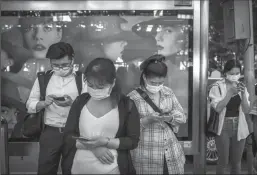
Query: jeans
x,y
229,147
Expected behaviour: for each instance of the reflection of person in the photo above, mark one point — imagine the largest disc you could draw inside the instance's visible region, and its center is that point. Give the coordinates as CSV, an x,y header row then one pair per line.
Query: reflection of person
x,y
171,38
5,60
159,151
61,84
111,127
232,103
39,34
103,37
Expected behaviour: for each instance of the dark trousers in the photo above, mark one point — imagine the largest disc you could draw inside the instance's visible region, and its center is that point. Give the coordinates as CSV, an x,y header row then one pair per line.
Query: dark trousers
x,y
52,148
228,146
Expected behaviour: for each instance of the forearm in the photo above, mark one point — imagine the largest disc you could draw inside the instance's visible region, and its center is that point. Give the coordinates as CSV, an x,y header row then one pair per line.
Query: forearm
x,y
113,143
223,103
175,119
80,145
245,104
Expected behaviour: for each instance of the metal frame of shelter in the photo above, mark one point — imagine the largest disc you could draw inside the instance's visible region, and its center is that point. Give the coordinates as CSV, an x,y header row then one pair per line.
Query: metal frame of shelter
x,y
200,54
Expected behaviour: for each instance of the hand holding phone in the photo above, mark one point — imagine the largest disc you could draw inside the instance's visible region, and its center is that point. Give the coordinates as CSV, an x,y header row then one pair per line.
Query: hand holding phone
x,y
59,98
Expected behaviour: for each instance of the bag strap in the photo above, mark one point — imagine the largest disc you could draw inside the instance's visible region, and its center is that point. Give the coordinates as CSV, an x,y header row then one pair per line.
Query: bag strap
x,y
79,81
148,100
43,79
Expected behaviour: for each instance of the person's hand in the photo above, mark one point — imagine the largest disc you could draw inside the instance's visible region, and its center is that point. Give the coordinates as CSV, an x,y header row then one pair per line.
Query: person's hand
x,y
104,155
241,87
233,90
153,118
67,102
49,100
95,142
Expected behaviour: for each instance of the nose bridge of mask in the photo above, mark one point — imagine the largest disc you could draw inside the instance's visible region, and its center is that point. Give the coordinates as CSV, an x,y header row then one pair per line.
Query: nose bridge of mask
x,y
100,93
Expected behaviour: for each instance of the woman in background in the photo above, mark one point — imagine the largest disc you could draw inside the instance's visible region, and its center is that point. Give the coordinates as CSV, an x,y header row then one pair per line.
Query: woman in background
x,y
229,98
107,119
159,151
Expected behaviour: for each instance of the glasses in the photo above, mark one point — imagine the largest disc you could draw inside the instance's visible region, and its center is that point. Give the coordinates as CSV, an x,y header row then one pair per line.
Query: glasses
x,y
61,67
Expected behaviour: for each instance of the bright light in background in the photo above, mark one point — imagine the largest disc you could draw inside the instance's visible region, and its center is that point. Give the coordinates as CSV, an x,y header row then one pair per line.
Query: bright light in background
x,y
182,66
64,18
119,60
149,28
158,12
139,63
159,29
7,69
42,69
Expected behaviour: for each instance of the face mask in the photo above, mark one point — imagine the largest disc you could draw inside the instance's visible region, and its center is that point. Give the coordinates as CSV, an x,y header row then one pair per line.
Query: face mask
x,y
153,89
99,94
233,77
62,73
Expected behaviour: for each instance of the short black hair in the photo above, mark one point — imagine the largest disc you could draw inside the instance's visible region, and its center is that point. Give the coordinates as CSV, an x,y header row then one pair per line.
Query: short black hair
x,y
59,50
230,64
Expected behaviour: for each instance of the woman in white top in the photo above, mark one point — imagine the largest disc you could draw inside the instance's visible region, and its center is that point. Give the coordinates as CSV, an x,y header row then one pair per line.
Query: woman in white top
x,y
107,119
229,98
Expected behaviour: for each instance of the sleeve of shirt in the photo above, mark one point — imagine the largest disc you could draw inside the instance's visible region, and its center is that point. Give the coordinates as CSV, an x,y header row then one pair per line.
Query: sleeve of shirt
x,y
132,96
34,98
130,141
177,115
215,96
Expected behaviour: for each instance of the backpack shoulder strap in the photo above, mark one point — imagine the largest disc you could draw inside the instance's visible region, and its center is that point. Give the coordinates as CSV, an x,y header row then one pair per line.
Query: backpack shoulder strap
x,y
43,79
79,81
148,100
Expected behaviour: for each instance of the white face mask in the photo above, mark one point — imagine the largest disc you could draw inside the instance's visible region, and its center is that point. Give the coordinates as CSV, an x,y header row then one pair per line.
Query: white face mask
x,y
233,77
62,73
153,89
99,94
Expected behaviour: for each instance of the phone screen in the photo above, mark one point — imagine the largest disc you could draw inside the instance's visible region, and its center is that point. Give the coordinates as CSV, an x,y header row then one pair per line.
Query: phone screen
x,y
59,98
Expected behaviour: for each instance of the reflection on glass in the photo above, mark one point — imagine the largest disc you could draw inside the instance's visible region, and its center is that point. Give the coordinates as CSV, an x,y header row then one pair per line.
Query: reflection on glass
x,y
126,37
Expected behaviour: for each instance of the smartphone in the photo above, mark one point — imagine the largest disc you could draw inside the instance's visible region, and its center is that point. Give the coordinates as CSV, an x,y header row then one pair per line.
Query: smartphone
x,y
59,98
164,113
81,138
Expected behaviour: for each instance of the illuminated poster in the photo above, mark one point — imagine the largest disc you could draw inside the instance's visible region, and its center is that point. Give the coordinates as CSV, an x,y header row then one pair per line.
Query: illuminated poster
x,y
127,39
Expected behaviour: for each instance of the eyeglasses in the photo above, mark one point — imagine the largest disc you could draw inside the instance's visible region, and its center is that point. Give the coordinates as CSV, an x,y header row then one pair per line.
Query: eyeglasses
x,y
61,67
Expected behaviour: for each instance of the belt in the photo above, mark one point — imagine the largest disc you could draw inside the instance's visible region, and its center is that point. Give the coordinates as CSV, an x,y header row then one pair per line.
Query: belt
x,y
60,129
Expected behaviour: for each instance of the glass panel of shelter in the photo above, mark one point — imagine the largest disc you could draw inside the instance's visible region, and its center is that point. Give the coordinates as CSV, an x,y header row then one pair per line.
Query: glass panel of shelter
x,y
127,37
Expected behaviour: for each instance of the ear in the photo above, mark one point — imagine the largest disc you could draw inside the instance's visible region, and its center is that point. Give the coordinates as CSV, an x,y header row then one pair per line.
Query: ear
x,y
114,81
144,78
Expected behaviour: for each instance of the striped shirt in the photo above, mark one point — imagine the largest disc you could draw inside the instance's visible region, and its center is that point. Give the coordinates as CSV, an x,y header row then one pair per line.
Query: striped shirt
x,y
157,139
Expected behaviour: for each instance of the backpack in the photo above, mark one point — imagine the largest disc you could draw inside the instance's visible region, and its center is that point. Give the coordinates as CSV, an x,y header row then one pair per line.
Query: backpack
x,y
33,124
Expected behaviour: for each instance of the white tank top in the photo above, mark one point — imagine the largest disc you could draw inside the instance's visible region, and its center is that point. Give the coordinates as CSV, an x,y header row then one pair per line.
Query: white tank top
x,y
85,161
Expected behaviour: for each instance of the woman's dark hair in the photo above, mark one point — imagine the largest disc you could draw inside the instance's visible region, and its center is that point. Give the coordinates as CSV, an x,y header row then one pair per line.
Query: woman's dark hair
x,y
230,64
154,66
102,71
